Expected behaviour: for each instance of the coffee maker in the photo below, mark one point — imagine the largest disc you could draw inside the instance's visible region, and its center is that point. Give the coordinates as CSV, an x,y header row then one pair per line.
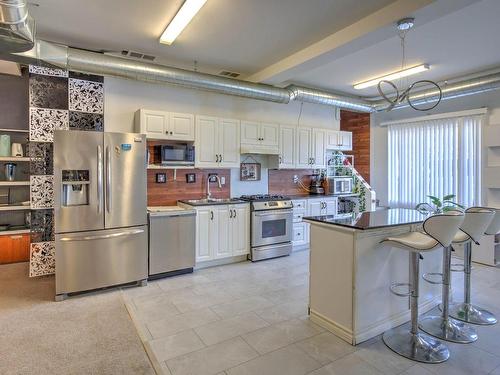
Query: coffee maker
x,y
316,186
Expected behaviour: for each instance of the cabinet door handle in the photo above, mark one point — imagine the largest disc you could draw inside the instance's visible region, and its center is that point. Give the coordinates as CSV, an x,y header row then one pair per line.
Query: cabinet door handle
x,y
230,214
220,157
211,215
216,158
280,159
234,213
171,133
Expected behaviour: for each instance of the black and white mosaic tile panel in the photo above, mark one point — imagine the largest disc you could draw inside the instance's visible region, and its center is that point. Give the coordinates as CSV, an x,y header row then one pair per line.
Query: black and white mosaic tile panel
x,y
42,191
86,121
86,96
43,123
59,100
41,158
42,258
42,225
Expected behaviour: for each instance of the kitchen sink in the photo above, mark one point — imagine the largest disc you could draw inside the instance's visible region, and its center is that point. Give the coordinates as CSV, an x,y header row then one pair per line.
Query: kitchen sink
x,y
210,200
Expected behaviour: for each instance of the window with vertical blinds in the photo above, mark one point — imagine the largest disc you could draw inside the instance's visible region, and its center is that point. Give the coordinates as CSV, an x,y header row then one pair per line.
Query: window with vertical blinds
x,y
435,157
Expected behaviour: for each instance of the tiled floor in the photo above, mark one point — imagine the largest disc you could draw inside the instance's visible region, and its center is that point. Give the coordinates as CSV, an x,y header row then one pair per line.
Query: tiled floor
x,y
251,318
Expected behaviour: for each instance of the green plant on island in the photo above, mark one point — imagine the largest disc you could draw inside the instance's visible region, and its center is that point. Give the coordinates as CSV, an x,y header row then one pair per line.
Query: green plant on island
x,y
439,205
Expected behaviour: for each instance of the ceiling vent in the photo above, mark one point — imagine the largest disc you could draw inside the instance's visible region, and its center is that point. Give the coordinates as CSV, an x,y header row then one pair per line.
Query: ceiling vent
x,y
138,55
227,73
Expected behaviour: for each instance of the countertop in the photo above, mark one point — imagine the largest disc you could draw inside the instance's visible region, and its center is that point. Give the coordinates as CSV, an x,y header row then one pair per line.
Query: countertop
x,y
168,210
199,204
375,219
319,196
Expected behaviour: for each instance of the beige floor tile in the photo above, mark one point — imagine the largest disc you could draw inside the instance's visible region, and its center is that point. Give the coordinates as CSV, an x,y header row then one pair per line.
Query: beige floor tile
x,y
195,301
384,359
465,359
288,294
225,329
496,371
175,345
285,311
326,347
181,322
239,306
286,361
282,334
348,365
213,359
156,311
182,281
417,370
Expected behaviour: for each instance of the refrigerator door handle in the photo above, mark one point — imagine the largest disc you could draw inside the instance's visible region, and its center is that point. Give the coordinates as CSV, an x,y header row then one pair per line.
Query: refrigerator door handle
x,y
108,179
99,179
103,236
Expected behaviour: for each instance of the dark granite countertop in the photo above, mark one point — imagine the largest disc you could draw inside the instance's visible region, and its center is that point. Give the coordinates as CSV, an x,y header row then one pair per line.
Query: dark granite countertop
x,y
204,202
375,219
319,196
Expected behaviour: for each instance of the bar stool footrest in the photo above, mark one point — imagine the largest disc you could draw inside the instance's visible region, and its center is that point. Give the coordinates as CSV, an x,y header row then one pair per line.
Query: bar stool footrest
x,y
457,267
395,286
428,277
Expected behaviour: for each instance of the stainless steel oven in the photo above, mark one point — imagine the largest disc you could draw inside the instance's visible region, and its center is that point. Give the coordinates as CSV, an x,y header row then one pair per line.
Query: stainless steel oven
x,y
270,226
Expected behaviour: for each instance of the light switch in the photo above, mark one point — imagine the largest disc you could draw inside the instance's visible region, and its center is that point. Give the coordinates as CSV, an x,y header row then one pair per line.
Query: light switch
x,y
223,180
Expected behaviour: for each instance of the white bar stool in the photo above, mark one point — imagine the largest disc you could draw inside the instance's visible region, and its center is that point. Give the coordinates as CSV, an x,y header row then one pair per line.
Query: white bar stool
x,y
486,220
444,326
413,344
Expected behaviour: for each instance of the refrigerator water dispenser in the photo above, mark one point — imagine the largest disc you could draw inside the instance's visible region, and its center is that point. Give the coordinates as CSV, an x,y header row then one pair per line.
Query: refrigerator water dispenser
x,y
75,188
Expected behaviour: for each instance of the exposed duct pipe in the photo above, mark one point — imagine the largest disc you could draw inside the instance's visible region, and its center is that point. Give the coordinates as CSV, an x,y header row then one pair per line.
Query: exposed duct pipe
x,y
96,63
91,62
304,94
17,28
465,87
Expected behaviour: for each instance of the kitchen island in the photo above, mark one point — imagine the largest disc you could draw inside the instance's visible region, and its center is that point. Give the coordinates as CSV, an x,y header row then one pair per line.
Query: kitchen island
x,y
351,272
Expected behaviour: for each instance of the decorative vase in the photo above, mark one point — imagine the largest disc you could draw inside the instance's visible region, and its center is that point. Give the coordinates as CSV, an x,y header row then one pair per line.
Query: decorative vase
x,y
5,145
10,171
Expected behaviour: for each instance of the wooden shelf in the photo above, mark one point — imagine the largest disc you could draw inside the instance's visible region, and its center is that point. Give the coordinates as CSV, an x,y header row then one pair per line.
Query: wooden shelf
x,y
14,183
13,159
14,232
15,130
15,208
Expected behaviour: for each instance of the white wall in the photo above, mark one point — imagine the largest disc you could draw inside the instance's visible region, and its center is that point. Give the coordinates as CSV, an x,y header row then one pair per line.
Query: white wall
x,y
124,97
378,135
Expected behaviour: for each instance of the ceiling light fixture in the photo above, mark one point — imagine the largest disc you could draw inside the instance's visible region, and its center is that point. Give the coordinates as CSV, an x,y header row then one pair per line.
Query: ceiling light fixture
x,y
393,76
185,14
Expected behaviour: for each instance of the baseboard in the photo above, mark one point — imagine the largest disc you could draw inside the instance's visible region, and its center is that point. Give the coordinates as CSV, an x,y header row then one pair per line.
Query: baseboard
x,y
338,330
220,262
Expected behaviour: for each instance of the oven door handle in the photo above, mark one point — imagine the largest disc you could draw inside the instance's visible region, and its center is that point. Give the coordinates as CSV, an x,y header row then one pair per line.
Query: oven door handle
x,y
274,212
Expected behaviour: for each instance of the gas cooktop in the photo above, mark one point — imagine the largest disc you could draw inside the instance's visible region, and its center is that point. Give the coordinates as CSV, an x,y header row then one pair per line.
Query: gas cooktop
x,y
264,197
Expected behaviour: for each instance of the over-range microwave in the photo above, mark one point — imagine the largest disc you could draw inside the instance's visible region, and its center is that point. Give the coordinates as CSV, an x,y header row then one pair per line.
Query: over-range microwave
x,y
175,153
340,185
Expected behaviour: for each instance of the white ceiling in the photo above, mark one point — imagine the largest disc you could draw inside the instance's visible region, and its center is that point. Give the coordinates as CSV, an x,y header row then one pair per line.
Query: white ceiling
x,y
454,36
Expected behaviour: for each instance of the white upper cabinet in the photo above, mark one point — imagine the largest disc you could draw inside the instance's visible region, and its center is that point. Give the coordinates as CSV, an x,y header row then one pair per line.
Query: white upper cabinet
x,y
287,146
229,147
260,136
207,143
217,142
339,140
165,125
250,132
181,126
303,149
318,148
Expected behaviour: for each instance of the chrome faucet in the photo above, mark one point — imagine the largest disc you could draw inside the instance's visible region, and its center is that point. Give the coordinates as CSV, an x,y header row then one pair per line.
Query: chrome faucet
x,y
209,195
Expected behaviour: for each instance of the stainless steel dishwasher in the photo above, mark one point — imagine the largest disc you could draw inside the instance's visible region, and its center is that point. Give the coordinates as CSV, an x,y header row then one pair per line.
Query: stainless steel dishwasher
x,y
171,241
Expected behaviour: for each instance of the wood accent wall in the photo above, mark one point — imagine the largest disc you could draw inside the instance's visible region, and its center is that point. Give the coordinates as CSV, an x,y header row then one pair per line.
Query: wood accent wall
x,y
281,181
359,125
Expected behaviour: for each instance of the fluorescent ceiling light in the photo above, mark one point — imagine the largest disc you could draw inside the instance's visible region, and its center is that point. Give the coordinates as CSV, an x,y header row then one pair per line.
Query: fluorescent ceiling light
x,y
180,21
392,76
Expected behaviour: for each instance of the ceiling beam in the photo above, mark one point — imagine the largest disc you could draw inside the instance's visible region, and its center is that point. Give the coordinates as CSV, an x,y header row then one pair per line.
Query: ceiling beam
x,y
383,17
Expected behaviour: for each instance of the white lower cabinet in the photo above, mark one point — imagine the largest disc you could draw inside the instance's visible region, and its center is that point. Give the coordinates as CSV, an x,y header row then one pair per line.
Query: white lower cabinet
x,y
222,231
322,206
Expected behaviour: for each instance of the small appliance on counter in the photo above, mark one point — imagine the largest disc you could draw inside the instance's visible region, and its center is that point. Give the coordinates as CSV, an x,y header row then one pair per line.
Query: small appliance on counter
x,y
172,241
340,185
316,186
175,153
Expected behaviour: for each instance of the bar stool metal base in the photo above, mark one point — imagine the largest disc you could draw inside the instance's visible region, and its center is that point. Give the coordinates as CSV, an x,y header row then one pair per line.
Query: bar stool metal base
x,y
418,347
469,313
449,329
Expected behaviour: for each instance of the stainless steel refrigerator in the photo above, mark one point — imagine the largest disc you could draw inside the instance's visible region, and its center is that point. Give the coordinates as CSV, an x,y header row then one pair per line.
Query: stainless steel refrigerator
x,y
100,210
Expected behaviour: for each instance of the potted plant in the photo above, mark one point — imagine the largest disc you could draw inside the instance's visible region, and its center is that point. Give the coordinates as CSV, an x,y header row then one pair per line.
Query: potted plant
x,y
438,205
